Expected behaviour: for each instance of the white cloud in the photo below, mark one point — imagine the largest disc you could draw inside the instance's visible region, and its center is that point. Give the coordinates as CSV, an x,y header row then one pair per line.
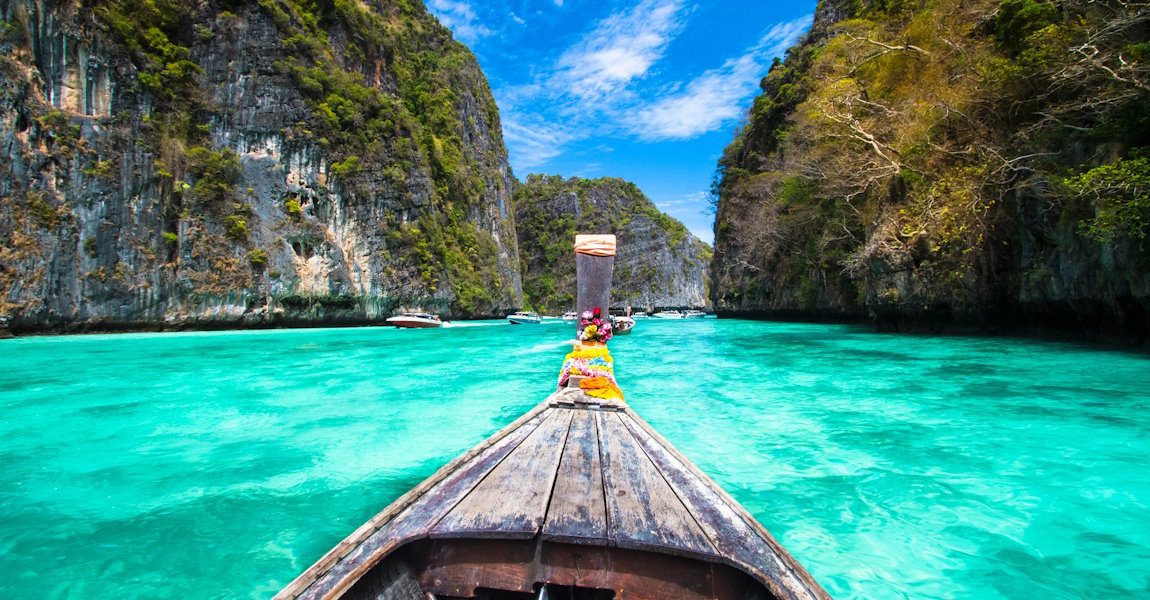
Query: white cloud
x,y
596,86
460,18
718,95
533,144
519,20
690,210
621,48
690,200
783,35
558,2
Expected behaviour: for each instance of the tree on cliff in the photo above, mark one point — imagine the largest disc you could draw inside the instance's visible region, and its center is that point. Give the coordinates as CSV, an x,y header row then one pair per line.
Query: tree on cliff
x,y
929,157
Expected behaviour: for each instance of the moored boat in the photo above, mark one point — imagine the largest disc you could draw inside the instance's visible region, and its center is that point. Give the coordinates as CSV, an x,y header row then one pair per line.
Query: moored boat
x,y
570,316
667,314
639,315
524,317
694,314
415,321
5,333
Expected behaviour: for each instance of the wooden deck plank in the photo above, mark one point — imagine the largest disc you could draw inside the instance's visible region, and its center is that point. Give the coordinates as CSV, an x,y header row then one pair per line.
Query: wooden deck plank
x,y
643,511
511,501
411,516
578,513
739,542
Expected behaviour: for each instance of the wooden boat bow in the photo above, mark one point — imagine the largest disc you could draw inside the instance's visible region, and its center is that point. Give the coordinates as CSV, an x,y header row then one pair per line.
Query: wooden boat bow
x,y
575,479
579,494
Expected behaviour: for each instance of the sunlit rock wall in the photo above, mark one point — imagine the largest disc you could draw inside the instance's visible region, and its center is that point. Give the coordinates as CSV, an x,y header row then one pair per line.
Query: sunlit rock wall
x,y
97,229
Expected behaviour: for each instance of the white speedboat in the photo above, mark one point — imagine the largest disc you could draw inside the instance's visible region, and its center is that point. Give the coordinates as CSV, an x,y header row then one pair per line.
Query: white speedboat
x,y
415,321
694,314
639,315
667,314
571,316
524,317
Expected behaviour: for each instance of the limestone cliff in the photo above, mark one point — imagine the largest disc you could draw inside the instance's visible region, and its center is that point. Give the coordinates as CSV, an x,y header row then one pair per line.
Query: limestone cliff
x,y
947,164
660,264
225,163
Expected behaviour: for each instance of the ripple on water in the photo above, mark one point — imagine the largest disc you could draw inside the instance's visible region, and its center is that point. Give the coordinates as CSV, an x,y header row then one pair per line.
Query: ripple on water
x,y
221,464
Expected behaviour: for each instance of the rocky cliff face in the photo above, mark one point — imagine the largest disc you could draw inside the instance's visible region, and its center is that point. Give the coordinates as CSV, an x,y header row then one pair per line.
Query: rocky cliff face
x,y
947,165
246,163
659,263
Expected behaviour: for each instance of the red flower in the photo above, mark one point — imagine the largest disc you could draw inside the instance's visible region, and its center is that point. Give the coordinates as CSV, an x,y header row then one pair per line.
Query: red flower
x,y
597,312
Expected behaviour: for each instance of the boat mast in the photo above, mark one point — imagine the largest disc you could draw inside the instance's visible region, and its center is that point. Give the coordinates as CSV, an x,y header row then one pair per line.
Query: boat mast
x,y
594,266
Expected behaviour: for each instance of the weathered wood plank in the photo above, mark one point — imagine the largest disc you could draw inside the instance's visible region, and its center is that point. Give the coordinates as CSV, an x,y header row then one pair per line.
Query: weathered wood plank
x,y
410,516
729,527
643,512
511,501
391,580
578,512
455,568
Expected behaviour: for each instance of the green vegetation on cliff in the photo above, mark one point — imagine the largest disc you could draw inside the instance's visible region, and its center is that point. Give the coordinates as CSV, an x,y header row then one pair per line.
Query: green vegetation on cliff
x,y
659,263
957,161
248,137
419,124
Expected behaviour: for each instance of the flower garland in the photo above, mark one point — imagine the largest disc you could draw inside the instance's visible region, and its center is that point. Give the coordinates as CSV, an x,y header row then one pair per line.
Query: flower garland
x,y
591,361
595,329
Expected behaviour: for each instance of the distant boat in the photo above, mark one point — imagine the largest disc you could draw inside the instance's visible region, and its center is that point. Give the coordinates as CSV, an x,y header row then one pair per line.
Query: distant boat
x,y
570,316
5,333
624,325
524,317
639,315
415,321
694,314
667,314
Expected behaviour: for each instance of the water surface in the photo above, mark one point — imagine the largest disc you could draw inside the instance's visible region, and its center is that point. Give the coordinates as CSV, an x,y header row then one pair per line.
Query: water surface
x,y
220,465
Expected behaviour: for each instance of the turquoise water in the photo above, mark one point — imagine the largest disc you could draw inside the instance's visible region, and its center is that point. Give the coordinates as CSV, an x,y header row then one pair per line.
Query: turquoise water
x,y
220,465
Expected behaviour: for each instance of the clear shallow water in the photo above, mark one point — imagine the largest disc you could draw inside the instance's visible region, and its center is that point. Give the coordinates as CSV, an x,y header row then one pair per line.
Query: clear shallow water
x,y
219,465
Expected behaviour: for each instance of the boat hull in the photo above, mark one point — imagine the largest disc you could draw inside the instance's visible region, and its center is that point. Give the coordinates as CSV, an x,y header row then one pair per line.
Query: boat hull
x,y
412,323
456,568
580,495
523,321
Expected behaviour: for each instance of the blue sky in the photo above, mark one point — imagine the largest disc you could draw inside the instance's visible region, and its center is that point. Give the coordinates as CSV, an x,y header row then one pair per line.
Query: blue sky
x,y
650,91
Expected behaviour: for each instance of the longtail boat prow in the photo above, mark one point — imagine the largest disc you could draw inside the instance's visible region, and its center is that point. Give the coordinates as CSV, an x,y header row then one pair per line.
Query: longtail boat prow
x,y
577,499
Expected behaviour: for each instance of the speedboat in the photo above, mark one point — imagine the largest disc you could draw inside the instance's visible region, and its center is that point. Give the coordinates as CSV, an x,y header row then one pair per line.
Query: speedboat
x,y
694,314
624,325
524,317
667,314
571,316
415,321
639,315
